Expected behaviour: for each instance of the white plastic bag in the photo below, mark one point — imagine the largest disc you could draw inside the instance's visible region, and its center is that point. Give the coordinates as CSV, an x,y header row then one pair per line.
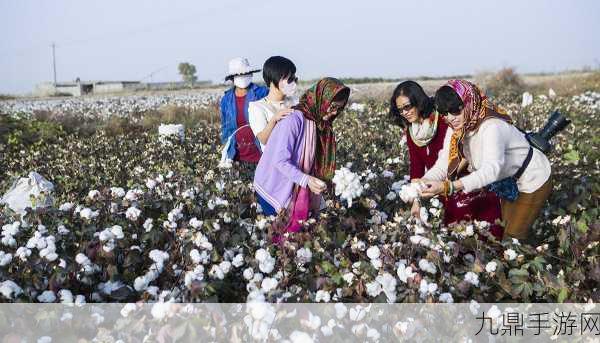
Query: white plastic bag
x,y
226,162
19,195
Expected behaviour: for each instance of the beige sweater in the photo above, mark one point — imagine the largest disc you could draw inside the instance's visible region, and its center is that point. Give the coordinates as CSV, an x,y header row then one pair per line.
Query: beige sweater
x,y
495,151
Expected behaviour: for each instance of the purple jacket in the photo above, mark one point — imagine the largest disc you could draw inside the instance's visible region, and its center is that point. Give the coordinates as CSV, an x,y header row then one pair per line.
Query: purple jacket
x,y
278,170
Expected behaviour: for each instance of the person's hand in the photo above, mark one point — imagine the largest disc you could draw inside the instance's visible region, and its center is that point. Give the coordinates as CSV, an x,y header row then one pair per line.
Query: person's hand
x,y
417,180
415,210
432,188
282,114
316,186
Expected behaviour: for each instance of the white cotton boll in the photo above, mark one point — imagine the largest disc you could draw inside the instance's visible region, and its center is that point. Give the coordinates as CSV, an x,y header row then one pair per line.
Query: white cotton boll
x,y
117,192
140,283
420,240
472,278
238,260
133,194
490,267
195,256
358,312
388,284
195,275
148,224
117,231
424,215
348,277
474,307
127,309
347,185
376,263
300,337
133,213
94,194
510,254
527,99
82,259
106,235
268,284
216,272
326,331
62,230
195,223
404,273
225,266
44,339
66,296
87,213
322,296
427,266
9,289
47,297
23,253
79,300
66,207
446,298
248,273
426,288
5,258
374,289
410,192
373,252
391,196
303,255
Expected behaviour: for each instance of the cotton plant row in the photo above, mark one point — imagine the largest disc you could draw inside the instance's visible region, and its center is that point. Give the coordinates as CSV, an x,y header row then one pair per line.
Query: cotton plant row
x,y
162,223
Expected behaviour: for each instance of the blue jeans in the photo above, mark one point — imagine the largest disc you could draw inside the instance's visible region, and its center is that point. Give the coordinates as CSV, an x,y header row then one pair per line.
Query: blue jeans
x,y
268,210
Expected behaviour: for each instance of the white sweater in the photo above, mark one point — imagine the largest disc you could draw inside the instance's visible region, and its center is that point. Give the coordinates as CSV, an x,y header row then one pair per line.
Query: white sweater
x,y
261,111
495,151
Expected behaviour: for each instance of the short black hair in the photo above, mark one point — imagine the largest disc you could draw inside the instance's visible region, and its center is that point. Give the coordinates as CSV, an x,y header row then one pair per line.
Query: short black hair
x,y
277,68
447,100
417,97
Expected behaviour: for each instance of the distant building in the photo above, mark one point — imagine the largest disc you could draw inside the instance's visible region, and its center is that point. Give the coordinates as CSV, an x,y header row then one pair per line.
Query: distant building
x,y
79,88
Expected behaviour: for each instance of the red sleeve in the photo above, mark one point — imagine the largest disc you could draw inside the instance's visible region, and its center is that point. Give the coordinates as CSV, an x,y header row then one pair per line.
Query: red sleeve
x,y
417,165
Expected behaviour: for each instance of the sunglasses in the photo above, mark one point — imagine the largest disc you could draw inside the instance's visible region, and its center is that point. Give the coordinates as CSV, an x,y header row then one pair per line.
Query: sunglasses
x,y
452,112
404,108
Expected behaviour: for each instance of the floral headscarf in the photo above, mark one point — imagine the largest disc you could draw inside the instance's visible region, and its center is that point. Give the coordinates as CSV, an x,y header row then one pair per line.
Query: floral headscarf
x,y
477,108
315,104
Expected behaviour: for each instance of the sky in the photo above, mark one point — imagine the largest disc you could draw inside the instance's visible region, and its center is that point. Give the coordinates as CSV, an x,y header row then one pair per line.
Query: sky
x,y
130,40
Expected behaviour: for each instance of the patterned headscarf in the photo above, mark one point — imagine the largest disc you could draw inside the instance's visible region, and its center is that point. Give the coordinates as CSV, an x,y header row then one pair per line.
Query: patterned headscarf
x,y
477,108
315,104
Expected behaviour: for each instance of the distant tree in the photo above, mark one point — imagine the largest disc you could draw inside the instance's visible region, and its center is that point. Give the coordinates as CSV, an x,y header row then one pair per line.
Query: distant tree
x,y
187,72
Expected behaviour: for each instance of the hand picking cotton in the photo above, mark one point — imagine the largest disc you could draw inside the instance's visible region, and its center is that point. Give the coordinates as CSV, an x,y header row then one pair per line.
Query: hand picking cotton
x,y
411,191
347,185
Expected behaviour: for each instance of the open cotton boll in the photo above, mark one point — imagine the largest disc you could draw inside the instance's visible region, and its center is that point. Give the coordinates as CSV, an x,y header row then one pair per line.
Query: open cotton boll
x,y
347,185
411,191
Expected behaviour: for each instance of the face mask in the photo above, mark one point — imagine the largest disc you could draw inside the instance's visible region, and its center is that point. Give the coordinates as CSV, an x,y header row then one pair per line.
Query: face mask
x,y
242,81
288,89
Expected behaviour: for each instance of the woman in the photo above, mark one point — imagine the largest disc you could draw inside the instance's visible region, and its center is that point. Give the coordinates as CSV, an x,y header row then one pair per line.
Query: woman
x,y
299,159
425,133
279,74
243,146
498,154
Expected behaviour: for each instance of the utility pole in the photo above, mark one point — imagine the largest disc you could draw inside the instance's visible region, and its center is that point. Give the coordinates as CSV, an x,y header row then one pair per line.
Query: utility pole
x,y
54,62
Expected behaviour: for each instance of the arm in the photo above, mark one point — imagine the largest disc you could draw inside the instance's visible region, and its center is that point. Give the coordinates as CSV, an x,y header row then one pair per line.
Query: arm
x,y
492,150
224,134
439,170
281,143
258,122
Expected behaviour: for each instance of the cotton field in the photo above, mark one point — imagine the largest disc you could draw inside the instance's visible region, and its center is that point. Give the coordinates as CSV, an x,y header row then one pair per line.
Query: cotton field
x,y
141,217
